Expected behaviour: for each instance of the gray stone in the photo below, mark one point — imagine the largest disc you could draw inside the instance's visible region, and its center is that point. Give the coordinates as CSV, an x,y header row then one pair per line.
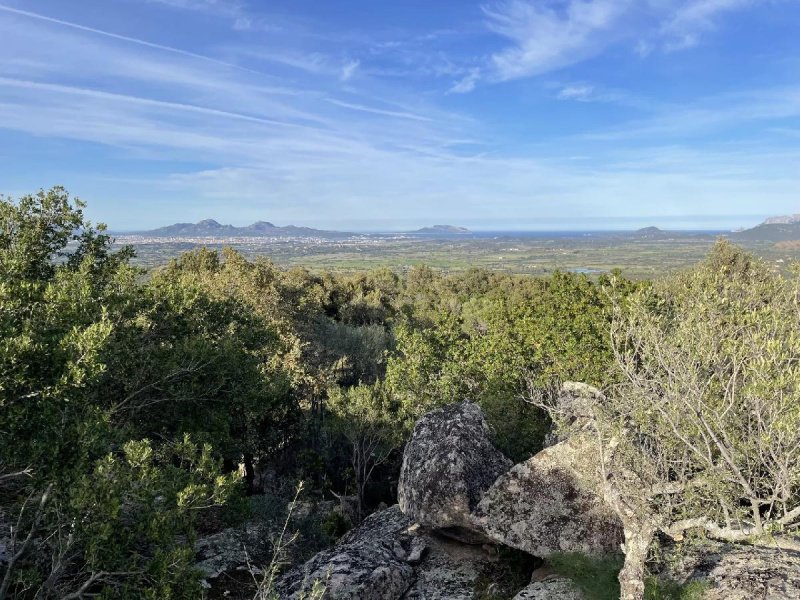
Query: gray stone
x,y
739,572
371,562
543,506
447,466
222,552
389,558
552,502
450,570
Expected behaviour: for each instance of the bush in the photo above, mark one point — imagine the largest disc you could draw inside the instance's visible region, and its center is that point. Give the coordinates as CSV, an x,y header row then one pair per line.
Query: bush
x,y
595,577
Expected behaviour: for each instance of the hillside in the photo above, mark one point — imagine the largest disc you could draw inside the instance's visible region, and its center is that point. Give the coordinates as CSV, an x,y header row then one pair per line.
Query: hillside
x,y
769,232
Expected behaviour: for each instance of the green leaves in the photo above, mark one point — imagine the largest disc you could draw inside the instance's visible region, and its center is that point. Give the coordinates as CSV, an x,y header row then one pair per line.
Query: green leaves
x,y
712,365
489,338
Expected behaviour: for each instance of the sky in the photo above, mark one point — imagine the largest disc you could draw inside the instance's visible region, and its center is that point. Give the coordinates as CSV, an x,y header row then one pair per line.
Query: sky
x,y
369,114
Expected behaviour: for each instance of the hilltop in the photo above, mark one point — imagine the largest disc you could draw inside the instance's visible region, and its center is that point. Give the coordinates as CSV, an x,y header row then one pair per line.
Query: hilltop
x,y
445,229
783,220
212,228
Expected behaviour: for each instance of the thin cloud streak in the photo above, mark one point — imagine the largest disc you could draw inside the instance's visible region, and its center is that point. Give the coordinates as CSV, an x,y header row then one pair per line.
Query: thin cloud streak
x,y
125,38
145,101
379,111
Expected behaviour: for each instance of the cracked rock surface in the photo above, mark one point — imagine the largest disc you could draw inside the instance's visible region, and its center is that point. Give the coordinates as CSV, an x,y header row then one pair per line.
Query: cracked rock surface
x,y
740,572
447,466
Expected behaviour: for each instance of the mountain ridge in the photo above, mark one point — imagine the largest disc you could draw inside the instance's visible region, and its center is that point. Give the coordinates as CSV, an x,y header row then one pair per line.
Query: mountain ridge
x,y
446,229
781,228
213,228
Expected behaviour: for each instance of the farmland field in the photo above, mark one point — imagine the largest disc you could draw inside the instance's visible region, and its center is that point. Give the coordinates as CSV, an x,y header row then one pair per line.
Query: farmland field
x,y
534,254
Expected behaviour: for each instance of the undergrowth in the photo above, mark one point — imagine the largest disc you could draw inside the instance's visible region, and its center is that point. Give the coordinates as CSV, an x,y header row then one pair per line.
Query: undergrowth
x,y
597,579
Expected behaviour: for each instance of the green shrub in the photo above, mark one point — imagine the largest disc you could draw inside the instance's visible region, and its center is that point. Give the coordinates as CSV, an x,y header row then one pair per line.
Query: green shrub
x,y
595,577
335,525
660,589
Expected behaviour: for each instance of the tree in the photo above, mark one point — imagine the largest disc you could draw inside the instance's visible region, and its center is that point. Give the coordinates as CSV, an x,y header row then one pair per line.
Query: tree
x,y
486,337
106,506
373,426
703,433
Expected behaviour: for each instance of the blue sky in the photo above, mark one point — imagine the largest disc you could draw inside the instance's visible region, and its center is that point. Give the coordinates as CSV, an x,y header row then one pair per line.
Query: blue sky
x,y
520,114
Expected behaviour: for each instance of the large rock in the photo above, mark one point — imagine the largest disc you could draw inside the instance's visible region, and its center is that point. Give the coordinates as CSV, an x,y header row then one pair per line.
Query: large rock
x,y
230,560
447,466
738,572
231,550
390,558
449,571
551,503
371,562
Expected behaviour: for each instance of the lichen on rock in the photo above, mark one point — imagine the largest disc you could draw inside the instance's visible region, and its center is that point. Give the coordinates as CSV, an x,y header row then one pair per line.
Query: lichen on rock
x,y
448,464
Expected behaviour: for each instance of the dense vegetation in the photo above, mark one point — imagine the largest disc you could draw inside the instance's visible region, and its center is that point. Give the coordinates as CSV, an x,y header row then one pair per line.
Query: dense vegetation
x,y
137,407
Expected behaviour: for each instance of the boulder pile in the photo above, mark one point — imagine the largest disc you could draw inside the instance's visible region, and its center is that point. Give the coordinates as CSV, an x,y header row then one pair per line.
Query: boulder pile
x,y
464,508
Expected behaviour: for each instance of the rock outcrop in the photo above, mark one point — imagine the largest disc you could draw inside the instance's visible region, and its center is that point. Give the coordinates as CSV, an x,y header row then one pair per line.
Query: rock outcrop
x,y
551,502
739,572
389,558
450,570
371,562
448,465
455,482
232,549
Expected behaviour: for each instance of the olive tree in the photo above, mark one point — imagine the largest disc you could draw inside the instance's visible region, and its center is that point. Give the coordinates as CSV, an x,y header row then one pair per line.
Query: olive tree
x,y
704,431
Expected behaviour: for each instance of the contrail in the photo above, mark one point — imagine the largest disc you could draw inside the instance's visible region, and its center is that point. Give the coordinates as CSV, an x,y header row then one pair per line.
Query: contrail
x,y
125,38
88,92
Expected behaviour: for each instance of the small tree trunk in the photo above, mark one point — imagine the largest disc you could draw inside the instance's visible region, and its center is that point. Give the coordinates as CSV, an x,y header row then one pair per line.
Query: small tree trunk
x,y
249,473
631,577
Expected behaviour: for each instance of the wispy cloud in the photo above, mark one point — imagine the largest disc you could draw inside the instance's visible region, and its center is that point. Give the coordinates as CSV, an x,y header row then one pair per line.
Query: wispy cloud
x,y
116,36
683,28
349,69
545,38
468,83
379,111
576,92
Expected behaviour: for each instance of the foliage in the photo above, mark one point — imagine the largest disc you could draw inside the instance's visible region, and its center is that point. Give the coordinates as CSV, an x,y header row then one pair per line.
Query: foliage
x,y
129,401
372,424
486,337
336,524
102,378
710,405
595,577
659,589
703,432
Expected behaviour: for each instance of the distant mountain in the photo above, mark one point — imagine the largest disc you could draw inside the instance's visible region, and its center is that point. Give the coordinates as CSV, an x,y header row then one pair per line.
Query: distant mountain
x,y
212,228
783,220
444,229
770,232
650,232
774,229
